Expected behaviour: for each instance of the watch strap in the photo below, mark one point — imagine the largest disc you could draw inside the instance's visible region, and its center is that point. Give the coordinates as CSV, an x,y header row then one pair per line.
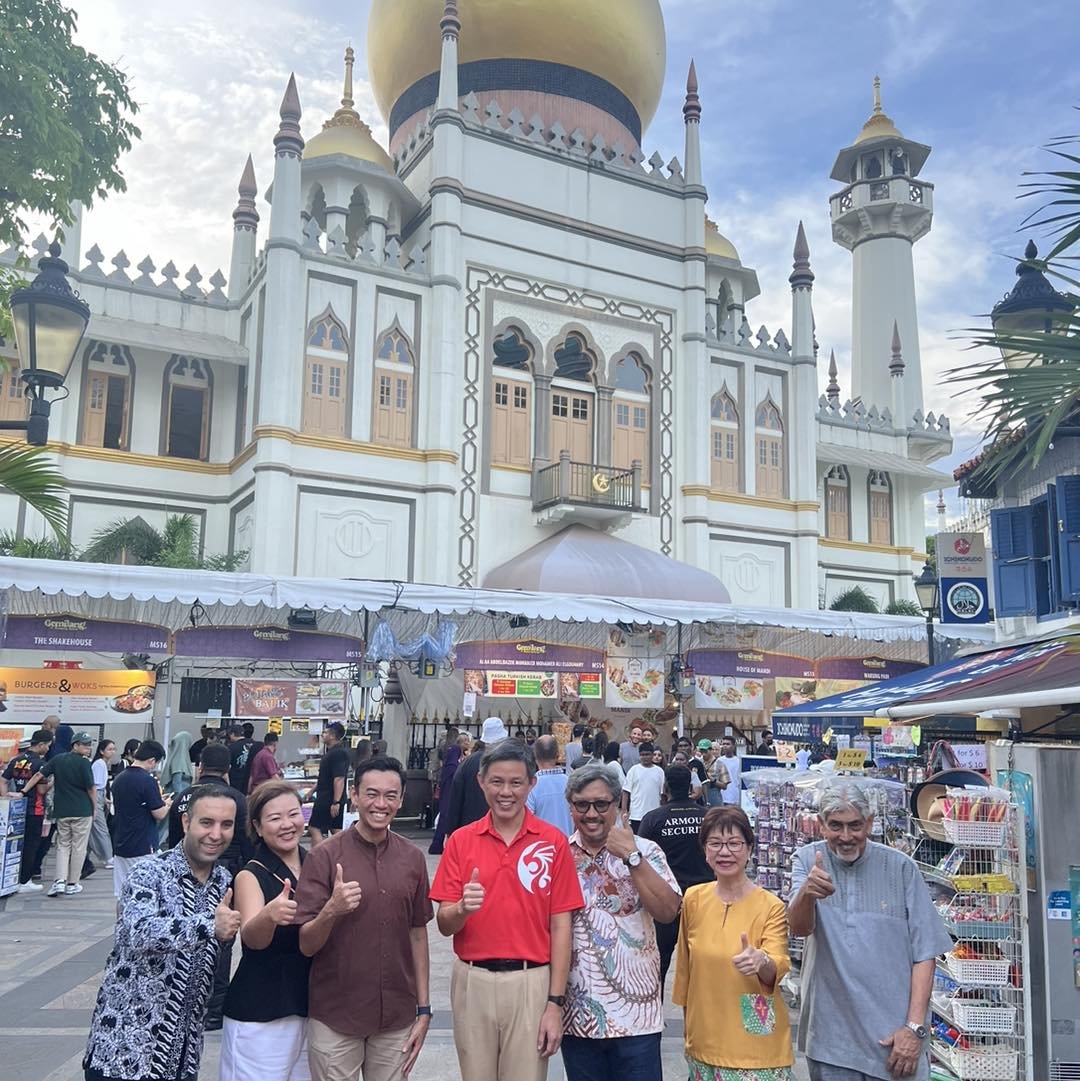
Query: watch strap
x,y
423,1011
557,1000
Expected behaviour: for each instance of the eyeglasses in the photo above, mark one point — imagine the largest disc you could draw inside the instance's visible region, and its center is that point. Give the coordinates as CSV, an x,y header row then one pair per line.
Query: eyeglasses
x,y
582,806
736,845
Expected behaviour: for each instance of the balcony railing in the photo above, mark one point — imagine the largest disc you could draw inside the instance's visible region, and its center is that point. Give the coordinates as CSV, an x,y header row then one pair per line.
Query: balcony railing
x,y
586,484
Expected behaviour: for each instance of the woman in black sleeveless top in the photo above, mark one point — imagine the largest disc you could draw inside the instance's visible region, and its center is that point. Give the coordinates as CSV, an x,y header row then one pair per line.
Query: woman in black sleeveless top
x,y
264,1034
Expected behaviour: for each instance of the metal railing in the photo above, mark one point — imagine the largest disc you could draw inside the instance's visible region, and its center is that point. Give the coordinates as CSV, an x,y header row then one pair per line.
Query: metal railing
x,y
587,483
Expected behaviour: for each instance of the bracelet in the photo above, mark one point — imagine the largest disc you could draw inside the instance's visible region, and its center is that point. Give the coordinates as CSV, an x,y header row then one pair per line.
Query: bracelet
x,y
423,1011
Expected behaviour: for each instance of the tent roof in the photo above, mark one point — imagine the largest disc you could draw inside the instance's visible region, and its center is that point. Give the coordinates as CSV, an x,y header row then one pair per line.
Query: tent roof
x,y
585,561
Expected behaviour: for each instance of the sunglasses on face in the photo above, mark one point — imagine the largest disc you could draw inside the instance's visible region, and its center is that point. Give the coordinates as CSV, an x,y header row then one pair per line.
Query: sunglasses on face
x,y
601,806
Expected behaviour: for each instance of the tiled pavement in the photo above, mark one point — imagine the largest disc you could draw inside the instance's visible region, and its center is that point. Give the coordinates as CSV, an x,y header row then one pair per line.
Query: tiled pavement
x,y
52,951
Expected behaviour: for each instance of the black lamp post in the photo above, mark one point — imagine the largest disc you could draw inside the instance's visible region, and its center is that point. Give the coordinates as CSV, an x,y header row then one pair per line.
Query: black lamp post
x,y
926,589
50,321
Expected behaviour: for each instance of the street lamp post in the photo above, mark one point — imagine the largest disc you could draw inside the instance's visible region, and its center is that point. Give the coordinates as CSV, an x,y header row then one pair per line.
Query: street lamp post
x,y
50,321
927,589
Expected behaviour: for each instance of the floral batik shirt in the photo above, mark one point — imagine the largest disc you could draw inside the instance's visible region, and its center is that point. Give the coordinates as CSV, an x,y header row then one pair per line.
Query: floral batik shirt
x,y
148,1021
614,985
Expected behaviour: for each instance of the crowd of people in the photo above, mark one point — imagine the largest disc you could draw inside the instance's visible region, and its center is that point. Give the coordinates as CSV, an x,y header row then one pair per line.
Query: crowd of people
x,y
567,899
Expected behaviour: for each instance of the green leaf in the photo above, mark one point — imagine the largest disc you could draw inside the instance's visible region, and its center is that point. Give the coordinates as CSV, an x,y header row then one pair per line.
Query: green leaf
x,y
855,599
31,474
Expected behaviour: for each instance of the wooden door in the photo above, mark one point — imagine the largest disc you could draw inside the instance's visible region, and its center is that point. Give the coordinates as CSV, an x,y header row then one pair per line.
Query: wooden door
x,y
94,410
770,467
324,397
725,459
571,425
837,510
880,516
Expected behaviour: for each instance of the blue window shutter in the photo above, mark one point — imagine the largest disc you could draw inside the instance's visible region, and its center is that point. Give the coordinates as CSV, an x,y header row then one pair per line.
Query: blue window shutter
x,y
1068,537
1014,565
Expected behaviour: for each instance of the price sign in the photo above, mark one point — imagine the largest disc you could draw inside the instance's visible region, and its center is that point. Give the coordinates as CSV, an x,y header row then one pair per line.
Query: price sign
x,y
852,759
827,735
785,752
274,725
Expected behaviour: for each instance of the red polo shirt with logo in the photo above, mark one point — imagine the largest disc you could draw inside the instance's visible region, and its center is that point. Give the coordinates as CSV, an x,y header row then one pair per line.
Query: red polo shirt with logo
x,y
525,883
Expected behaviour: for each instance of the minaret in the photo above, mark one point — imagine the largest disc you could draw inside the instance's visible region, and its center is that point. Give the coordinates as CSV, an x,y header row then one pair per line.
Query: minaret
x,y
692,117
288,148
897,380
880,213
245,226
942,524
803,462
832,388
450,25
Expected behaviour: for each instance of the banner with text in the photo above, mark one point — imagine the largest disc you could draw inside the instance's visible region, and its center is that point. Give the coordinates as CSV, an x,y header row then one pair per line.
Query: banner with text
x,y
29,695
530,668
67,632
265,698
636,669
267,644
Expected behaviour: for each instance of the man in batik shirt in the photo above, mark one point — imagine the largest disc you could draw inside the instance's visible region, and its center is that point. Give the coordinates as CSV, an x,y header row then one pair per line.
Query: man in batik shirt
x,y
614,1014
174,914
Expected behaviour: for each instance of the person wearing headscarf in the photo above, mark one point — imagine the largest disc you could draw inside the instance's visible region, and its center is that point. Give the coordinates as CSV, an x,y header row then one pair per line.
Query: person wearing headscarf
x,y
452,756
178,771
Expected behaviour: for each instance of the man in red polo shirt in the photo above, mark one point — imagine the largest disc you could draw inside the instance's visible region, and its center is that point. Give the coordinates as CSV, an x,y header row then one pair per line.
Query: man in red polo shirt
x,y
506,887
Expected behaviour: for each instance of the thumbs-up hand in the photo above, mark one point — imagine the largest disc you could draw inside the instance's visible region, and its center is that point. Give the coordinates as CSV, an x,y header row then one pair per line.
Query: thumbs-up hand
x,y
282,908
472,894
345,896
226,921
749,960
819,883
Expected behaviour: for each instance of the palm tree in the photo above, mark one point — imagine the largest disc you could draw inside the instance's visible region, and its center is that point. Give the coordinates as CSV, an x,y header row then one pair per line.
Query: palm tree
x,y
134,540
1023,407
30,474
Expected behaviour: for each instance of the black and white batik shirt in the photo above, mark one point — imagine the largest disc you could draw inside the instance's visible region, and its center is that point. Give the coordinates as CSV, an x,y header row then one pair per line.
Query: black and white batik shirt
x,y
148,1021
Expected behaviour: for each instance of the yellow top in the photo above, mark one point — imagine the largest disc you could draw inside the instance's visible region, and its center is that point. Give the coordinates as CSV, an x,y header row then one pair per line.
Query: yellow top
x,y
730,1021
622,41
880,125
718,244
346,133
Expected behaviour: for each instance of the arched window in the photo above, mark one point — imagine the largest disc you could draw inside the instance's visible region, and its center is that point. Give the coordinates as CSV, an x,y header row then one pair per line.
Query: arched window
x,y
392,395
631,430
106,406
188,391
572,407
326,378
769,435
871,166
838,503
356,221
724,439
14,405
881,531
511,401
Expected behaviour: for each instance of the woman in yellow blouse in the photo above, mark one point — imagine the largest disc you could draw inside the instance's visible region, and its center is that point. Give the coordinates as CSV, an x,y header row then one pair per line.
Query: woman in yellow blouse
x,y
732,955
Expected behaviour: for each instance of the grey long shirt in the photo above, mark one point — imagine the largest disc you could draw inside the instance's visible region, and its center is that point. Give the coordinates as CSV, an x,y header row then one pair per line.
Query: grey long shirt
x,y
857,982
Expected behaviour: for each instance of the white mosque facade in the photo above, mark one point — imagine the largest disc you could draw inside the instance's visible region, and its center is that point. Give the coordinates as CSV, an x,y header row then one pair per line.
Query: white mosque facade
x,y
430,358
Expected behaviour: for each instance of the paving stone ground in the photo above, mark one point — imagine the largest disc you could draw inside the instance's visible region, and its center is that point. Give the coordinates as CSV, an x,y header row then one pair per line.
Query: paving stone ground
x,y
53,950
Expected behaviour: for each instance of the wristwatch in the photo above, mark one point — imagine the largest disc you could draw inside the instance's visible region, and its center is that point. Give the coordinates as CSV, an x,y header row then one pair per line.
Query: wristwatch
x,y
915,1027
557,1000
423,1011
633,859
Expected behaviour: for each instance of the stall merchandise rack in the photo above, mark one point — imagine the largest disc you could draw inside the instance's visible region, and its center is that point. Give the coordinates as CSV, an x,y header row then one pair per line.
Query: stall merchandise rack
x,y
980,1028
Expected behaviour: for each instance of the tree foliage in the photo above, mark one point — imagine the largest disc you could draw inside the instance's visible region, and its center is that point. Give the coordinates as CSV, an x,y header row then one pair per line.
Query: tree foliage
x,y
31,474
1022,408
134,540
903,607
855,599
65,117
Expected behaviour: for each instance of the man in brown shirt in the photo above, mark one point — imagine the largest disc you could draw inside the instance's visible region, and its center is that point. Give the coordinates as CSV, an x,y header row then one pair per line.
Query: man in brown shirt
x,y
362,903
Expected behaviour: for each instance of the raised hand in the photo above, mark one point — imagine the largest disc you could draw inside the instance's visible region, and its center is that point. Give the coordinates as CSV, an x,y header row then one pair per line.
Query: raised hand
x,y
226,921
282,908
620,839
749,959
819,883
345,897
472,894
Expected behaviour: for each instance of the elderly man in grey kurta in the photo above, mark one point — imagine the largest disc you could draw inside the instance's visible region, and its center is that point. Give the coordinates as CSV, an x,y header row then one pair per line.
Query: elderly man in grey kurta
x,y
873,934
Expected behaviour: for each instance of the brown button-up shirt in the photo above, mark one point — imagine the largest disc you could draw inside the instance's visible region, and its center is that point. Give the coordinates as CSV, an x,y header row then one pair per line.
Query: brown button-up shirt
x,y
362,980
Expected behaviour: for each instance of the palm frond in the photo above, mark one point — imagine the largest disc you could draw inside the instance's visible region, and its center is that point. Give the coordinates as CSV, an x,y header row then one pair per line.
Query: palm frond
x,y
221,561
131,539
31,474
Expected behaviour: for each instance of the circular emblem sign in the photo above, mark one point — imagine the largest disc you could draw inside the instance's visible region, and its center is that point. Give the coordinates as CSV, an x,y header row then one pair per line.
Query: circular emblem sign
x,y
962,546
964,600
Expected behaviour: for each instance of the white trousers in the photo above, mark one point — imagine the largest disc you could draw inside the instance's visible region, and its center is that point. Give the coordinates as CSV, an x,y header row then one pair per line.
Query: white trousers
x,y
264,1050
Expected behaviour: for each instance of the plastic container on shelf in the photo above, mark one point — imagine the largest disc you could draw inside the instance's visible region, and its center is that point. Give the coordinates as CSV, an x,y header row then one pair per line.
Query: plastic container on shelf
x,y
977,930
979,1063
977,1016
974,834
978,970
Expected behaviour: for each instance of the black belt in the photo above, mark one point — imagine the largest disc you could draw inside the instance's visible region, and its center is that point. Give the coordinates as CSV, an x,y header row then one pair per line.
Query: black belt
x,y
504,964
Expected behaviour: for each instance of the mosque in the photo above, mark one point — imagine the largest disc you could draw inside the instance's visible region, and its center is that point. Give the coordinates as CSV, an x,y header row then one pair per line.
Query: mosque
x,y
434,356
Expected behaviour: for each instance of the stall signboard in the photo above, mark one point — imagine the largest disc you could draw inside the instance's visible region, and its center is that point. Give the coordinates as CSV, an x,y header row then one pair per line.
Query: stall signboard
x,y
530,668
70,632
812,729
735,678
27,695
636,669
267,644
851,759
265,698
961,562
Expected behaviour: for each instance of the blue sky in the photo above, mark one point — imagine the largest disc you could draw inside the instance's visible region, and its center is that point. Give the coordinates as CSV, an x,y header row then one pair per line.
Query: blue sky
x,y
784,85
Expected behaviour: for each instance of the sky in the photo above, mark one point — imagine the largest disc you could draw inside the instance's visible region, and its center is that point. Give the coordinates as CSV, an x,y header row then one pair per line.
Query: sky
x,y
784,85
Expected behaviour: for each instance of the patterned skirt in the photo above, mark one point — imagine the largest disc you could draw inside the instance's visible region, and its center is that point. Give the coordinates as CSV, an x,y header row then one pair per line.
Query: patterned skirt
x,y
702,1071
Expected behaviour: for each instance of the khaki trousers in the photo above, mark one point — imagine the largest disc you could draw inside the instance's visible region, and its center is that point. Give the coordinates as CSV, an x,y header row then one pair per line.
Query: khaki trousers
x,y
497,1020
334,1057
72,835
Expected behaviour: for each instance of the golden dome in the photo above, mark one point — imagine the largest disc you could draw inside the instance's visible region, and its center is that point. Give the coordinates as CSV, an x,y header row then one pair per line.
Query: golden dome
x,y
880,125
718,244
621,41
346,133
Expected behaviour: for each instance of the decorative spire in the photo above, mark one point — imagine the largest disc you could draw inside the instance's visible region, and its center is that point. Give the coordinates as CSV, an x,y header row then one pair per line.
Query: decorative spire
x,y
940,501
245,214
832,390
692,106
450,24
346,94
877,95
879,124
801,274
896,364
288,138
